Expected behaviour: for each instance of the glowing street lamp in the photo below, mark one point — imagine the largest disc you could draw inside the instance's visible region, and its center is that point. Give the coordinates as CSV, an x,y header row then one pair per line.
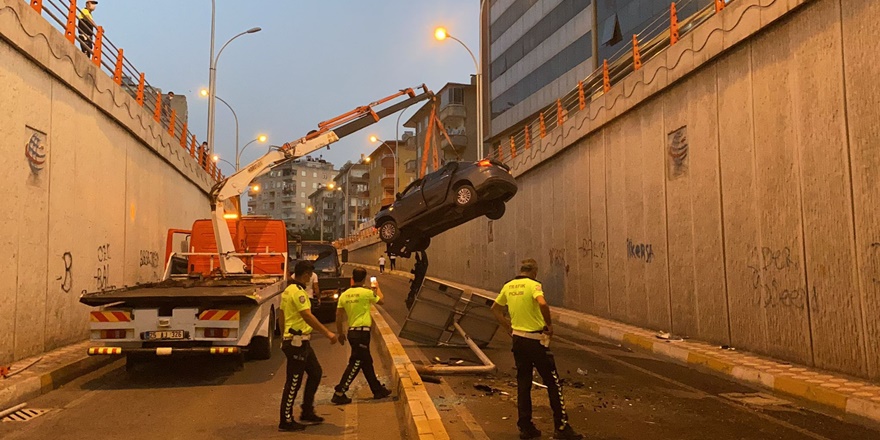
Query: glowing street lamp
x,y
441,34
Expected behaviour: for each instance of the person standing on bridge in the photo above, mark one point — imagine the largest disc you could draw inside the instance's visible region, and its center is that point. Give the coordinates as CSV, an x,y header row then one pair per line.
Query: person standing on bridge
x,y
530,327
299,322
355,303
86,27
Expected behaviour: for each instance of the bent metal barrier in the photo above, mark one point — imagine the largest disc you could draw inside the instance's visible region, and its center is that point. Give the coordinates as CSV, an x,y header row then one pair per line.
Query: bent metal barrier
x,y
64,15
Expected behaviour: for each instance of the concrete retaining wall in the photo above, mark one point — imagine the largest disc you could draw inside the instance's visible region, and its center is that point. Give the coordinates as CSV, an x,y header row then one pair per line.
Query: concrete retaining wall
x,y
89,202
766,237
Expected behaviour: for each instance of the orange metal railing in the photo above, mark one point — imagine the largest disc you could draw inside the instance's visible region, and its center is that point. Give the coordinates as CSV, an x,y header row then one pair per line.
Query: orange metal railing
x,y
63,14
664,30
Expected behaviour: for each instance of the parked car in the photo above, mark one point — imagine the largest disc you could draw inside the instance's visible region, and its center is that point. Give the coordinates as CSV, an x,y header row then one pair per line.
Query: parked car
x,y
454,194
330,280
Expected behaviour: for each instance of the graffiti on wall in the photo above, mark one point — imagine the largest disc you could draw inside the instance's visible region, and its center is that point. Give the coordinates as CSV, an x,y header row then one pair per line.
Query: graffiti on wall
x,y
36,150
149,258
102,270
639,251
67,278
677,153
590,249
766,265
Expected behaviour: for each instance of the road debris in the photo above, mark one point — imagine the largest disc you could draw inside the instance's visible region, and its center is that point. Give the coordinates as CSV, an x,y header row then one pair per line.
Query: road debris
x,y
430,379
582,372
668,336
489,390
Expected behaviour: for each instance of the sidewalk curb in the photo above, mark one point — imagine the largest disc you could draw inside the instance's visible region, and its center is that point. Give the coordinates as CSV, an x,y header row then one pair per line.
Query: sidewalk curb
x,y
852,396
421,417
34,385
781,377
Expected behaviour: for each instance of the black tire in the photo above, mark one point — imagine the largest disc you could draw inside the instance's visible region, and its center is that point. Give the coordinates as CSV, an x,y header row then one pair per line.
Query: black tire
x,y
419,244
388,231
497,211
260,347
464,196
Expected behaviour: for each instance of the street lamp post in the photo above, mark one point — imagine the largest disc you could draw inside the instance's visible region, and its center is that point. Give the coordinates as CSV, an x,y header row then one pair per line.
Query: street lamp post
x,y
261,138
212,75
375,139
441,34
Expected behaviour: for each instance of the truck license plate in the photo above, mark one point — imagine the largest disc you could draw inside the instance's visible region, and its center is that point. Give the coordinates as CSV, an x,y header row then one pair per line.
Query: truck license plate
x,y
165,334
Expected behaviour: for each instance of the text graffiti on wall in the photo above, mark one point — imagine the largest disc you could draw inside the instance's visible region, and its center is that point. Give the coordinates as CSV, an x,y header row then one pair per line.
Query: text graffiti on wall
x,y
589,248
67,278
639,251
765,265
102,272
149,258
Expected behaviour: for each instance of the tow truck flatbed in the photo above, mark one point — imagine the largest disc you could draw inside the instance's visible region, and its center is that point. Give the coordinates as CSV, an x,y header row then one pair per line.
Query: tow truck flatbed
x,y
185,293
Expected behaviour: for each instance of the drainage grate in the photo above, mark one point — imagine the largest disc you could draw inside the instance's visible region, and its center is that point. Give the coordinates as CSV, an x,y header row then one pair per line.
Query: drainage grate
x,y
25,415
756,399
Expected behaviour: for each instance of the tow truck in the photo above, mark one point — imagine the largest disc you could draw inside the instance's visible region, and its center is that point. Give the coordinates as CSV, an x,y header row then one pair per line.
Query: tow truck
x,y
223,278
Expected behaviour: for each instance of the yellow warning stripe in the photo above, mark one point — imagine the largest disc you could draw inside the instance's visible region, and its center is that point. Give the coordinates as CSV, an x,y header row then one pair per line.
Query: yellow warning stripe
x,y
104,350
219,315
110,316
224,350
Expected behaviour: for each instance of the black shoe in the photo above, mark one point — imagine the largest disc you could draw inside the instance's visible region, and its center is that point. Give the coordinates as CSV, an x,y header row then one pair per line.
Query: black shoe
x,y
382,393
290,427
340,399
530,432
567,433
309,417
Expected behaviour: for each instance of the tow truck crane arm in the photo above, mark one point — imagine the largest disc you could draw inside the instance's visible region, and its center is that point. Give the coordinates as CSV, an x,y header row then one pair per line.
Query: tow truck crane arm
x,y
327,133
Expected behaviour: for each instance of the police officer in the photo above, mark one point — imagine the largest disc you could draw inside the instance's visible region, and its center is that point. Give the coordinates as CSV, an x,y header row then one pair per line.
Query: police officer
x,y
531,329
298,325
355,303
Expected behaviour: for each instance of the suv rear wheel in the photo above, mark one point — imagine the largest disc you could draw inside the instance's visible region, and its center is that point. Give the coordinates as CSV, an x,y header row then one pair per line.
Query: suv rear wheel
x,y
497,210
465,195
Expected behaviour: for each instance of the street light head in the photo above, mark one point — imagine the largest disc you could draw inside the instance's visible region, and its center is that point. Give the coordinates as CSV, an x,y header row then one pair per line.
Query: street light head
x,y
374,139
255,188
331,186
262,138
440,34
215,158
310,210
254,30
367,159
203,92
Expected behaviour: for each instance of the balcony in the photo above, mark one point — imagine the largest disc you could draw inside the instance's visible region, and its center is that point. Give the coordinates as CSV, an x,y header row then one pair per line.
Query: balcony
x,y
387,160
458,147
452,111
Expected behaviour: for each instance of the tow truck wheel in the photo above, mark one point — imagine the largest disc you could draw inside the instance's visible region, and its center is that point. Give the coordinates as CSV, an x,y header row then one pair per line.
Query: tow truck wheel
x,y
260,347
465,195
388,231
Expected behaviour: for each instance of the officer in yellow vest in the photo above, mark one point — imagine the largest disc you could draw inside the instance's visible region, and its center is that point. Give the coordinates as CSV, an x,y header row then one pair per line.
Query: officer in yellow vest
x,y
355,303
296,313
531,329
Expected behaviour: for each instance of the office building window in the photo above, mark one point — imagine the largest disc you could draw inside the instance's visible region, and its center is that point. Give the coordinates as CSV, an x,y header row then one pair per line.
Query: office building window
x,y
302,183
314,185
303,173
302,194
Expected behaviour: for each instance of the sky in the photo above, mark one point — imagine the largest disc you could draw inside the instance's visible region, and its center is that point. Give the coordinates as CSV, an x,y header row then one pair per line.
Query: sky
x,y
313,60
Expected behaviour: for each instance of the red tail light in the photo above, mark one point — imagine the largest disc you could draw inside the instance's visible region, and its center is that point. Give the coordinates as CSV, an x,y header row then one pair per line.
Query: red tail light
x,y
113,334
216,332
485,163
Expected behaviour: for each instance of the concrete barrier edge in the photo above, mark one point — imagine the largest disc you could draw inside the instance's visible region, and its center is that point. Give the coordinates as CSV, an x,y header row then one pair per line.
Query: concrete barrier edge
x,y
417,409
39,384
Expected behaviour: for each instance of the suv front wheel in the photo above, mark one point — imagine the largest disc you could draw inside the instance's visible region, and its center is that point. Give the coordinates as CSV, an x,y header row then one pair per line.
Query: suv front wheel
x,y
388,231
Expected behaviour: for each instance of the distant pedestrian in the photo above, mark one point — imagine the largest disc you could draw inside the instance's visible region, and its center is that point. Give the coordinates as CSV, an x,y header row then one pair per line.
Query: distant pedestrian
x,y
86,27
313,289
531,330
354,309
203,154
381,264
393,259
296,314
167,105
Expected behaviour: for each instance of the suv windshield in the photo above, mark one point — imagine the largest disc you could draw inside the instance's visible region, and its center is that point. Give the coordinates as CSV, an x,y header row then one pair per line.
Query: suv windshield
x,y
322,255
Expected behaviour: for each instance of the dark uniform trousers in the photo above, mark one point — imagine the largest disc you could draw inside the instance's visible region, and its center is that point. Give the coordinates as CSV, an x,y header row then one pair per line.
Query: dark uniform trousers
x,y
360,359
529,354
300,360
